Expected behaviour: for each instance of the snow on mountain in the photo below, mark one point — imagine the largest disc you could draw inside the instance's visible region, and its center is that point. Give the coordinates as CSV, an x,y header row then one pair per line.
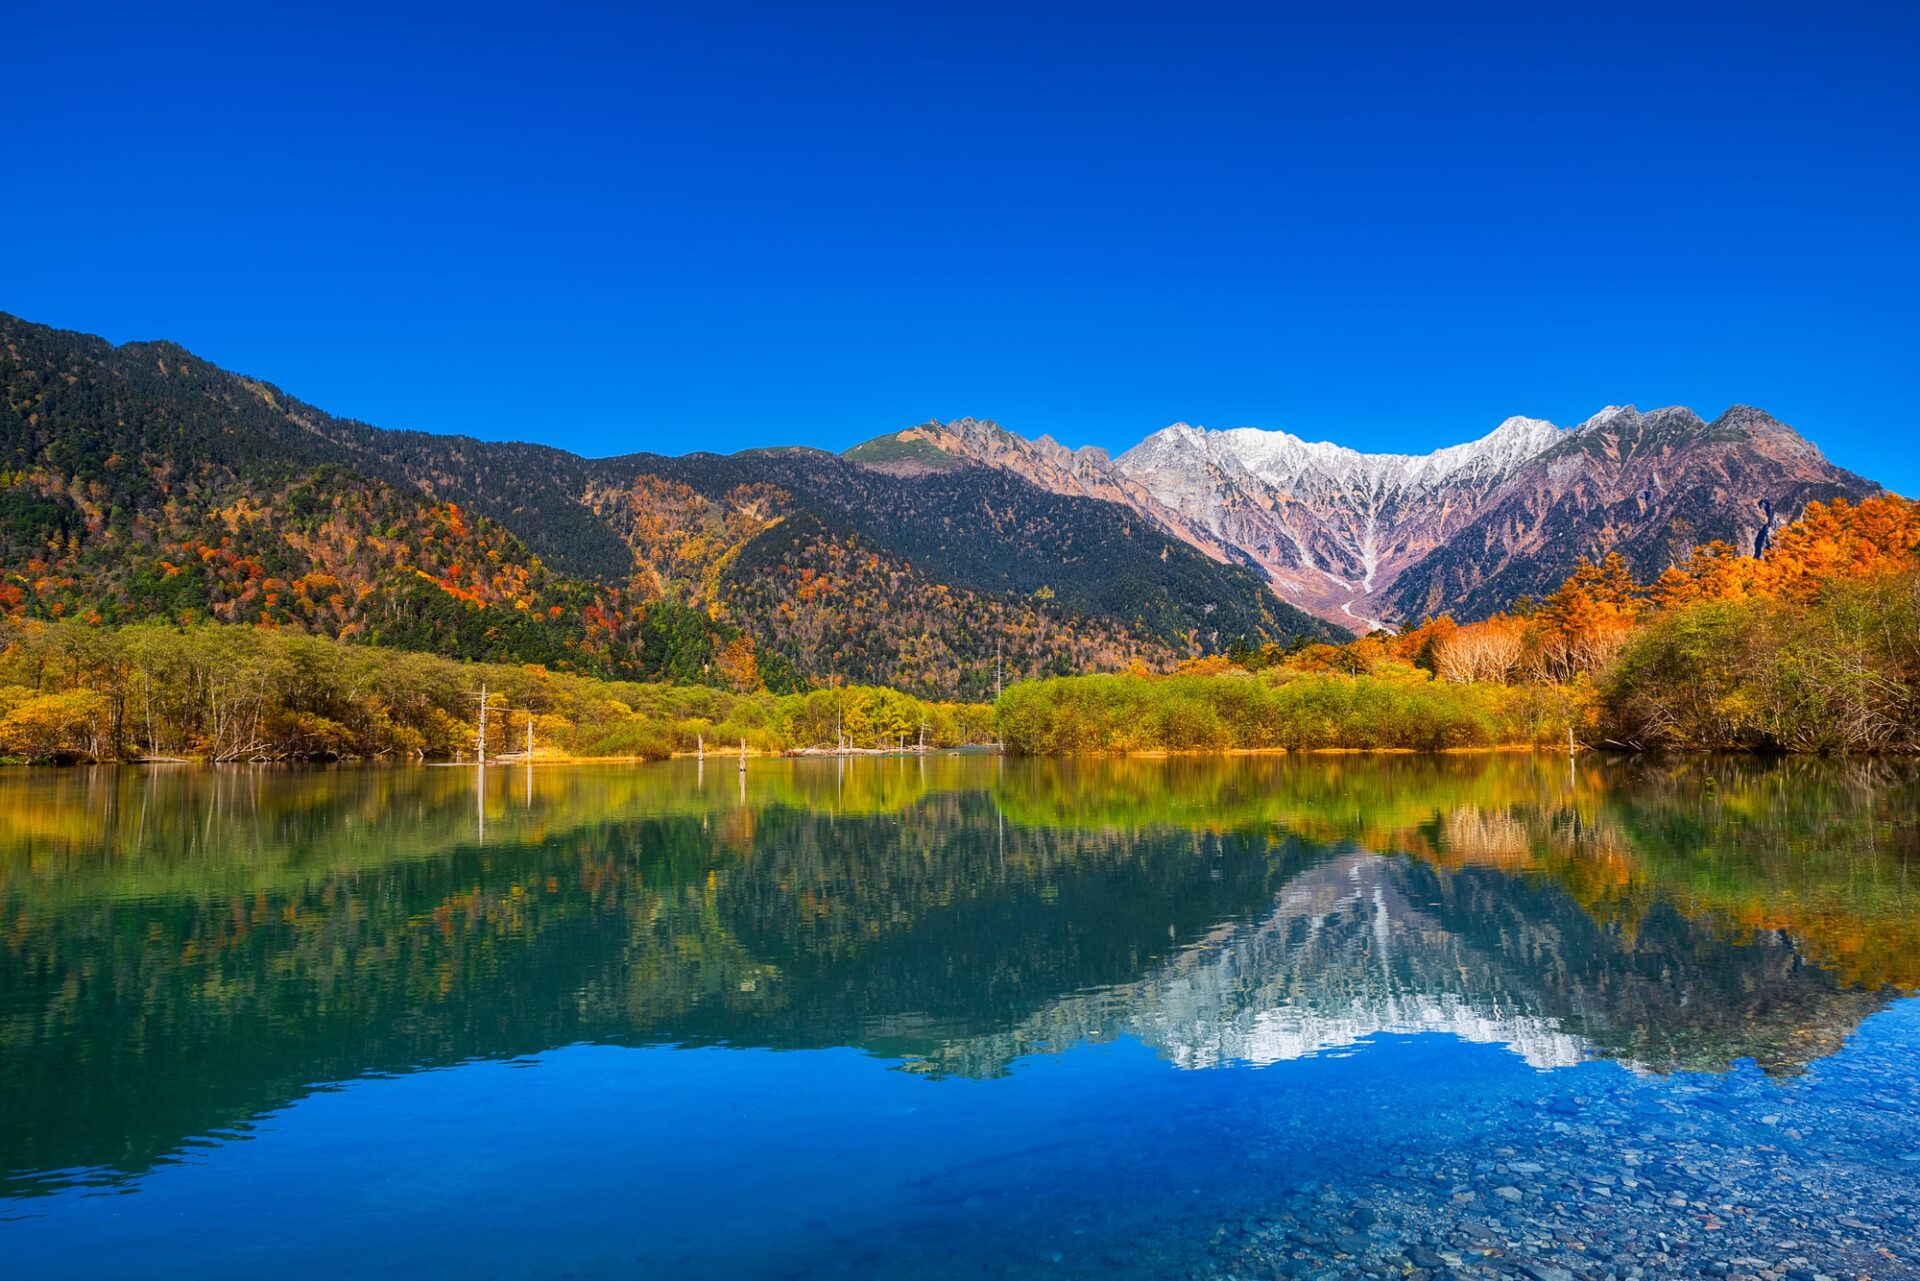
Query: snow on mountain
x,y
1327,524
1288,462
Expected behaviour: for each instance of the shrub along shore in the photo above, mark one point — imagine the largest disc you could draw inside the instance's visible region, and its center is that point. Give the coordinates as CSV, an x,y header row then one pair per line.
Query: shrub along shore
x,y
1396,706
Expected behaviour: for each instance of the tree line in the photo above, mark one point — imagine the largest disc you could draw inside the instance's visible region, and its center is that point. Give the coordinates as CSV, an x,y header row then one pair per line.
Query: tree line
x,y
73,691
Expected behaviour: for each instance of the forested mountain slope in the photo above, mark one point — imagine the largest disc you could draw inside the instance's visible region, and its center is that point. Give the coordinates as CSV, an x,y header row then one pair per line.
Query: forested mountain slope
x,y
139,482
985,530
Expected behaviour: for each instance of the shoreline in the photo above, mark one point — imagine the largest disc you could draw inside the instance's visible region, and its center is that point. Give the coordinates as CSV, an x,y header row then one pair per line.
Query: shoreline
x,y
974,749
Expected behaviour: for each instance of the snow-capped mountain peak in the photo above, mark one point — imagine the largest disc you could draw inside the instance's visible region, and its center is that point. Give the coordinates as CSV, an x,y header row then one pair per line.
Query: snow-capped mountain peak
x,y
1287,461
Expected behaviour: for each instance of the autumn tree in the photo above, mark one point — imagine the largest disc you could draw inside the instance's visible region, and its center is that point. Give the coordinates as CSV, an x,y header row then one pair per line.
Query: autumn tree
x,y
1484,651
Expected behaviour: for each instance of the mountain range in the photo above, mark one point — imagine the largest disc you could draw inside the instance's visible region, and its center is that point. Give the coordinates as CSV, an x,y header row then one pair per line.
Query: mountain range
x,y
1369,540
141,482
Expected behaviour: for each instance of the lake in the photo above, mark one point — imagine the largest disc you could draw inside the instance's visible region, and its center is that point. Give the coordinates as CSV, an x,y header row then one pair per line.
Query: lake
x,y
961,1015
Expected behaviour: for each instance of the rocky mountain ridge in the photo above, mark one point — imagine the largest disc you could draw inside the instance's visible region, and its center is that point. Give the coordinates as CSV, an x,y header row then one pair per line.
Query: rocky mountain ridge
x,y
1368,540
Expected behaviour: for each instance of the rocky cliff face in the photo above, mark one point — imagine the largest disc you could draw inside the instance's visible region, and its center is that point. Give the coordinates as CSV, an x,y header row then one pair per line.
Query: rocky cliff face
x,y
1372,539
1331,527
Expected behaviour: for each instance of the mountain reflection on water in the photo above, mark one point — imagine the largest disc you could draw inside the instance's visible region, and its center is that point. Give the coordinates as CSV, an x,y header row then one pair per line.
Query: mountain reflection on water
x,y
187,949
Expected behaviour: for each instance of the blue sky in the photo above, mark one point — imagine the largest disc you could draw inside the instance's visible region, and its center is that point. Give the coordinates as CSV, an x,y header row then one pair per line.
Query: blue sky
x,y
719,226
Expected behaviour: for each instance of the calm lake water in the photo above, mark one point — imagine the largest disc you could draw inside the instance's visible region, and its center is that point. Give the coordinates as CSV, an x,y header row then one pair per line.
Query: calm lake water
x,y
963,1016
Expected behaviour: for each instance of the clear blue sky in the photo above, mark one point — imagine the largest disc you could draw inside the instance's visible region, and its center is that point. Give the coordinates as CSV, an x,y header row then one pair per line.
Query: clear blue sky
x,y
713,226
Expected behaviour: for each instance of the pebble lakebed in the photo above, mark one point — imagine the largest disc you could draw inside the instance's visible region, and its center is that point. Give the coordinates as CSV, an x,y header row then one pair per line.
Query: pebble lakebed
x,y
1740,1177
